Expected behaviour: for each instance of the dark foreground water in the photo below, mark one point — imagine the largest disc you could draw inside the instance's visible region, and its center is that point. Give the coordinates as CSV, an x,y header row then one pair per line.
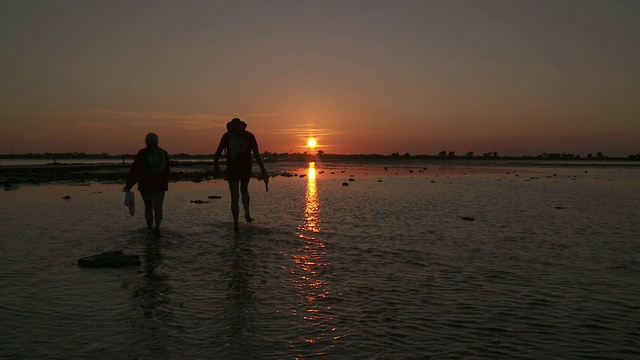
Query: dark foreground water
x,y
389,267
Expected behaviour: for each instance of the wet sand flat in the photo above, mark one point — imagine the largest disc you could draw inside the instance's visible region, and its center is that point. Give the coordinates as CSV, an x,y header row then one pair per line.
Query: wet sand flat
x,y
416,262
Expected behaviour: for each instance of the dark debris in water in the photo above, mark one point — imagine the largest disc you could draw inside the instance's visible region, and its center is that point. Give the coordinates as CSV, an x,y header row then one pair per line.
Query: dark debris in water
x,y
200,202
110,259
467,218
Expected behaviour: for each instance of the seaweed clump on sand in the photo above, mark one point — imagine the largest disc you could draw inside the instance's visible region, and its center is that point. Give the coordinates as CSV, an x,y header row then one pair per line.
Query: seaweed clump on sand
x,y
110,259
41,174
13,176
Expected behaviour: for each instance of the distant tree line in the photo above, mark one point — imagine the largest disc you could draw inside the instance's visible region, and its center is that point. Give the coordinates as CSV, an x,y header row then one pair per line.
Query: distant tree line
x,y
272,156
447,155
66,155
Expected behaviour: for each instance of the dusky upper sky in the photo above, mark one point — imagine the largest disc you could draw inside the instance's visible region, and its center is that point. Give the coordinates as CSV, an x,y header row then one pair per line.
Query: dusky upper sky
x,y
361,76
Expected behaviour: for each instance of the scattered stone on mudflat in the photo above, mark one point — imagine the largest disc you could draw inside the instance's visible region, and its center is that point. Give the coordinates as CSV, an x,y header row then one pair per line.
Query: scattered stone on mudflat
x,y
9,186
66,197
215,197
352,179
200,202
345,184
467,218
110,259
559,207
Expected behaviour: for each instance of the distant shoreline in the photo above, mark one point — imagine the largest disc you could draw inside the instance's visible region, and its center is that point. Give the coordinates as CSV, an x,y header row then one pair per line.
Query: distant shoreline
x,y
12,176
279,157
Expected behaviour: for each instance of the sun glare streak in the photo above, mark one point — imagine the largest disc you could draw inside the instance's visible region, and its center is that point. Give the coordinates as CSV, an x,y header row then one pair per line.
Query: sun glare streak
x,y
312,279
312,208
311,172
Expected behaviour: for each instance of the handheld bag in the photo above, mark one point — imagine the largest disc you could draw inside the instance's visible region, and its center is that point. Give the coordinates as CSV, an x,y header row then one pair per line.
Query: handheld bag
x,y
130,202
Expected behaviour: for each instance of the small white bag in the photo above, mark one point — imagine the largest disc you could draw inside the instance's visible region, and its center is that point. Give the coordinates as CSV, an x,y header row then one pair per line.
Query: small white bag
x,y
130,202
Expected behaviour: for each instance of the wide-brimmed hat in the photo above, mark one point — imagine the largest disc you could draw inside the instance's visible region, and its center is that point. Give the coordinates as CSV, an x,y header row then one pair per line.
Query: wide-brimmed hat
x,y
236,124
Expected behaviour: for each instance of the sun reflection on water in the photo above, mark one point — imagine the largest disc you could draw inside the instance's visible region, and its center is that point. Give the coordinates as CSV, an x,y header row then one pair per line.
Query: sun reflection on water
x,y
313,311
312,203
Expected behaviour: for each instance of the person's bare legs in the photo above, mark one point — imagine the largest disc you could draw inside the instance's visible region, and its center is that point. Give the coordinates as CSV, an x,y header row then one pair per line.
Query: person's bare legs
x,y
246,199
153,204
158,202
148,209
235,199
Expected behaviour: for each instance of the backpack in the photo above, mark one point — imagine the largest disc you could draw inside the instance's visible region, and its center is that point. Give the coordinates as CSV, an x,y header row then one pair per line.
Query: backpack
x,y
154,160
237,147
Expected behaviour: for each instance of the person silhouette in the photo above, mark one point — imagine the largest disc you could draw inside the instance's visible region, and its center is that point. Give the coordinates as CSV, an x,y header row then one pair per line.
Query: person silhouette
x,y
239,144
150,169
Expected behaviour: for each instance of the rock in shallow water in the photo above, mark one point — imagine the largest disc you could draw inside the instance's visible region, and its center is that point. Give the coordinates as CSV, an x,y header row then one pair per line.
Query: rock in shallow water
x,y
199,202
110,259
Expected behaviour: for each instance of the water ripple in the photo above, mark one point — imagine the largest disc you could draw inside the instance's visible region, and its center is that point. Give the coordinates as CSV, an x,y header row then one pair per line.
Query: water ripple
x,y
360,272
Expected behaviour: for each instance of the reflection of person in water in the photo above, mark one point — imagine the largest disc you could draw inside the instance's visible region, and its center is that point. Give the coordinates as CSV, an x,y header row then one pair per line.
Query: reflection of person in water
x,y
239,144
151,338
150,294
240,310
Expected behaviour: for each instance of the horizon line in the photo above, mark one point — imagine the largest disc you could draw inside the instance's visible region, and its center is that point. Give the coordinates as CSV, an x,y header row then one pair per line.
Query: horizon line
x,y
440,155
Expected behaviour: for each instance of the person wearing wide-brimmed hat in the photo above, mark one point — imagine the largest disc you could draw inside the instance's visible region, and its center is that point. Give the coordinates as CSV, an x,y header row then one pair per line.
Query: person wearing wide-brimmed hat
x,y
239,144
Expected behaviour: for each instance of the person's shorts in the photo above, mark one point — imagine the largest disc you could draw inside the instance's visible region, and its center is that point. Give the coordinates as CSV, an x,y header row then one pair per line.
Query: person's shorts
x,y
237,173
150,193
152,188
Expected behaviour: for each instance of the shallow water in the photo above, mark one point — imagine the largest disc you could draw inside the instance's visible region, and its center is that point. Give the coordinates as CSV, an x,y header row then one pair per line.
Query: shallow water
x,y
548,268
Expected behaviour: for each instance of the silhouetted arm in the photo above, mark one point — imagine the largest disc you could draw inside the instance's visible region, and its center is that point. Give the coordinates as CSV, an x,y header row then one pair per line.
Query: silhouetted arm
x,y
167,170
134,172
256,154
221,146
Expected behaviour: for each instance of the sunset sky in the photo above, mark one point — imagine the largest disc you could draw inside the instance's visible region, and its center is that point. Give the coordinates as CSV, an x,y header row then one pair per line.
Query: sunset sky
x,y
517,77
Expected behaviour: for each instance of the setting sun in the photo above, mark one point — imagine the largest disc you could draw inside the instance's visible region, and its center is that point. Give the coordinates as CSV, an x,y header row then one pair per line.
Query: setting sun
x,y
311,143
